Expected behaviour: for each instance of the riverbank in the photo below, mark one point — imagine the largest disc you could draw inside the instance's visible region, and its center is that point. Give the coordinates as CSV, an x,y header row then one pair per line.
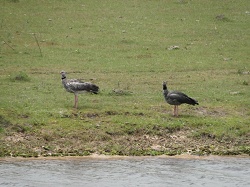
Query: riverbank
x,y
167,144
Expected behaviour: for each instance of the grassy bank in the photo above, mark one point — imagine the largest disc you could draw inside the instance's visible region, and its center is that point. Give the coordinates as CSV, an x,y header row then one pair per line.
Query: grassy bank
x,y
125,47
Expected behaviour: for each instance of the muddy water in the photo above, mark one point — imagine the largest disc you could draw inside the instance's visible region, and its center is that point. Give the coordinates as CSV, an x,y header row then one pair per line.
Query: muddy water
x,y
128,171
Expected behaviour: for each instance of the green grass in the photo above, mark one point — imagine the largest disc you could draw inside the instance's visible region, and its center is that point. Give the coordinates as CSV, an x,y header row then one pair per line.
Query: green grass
x,y
122,46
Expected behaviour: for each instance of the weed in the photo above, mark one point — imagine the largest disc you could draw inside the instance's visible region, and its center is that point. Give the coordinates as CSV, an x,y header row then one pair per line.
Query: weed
x,y
245,83
21,76
14,1
4,123
223,18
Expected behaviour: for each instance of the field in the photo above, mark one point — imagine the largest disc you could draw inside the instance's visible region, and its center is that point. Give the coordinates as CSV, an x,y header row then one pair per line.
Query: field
x,y
127,48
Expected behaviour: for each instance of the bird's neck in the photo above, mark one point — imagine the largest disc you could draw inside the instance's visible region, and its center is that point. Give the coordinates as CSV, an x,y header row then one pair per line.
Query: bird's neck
x,y
64,80
63,77
165,89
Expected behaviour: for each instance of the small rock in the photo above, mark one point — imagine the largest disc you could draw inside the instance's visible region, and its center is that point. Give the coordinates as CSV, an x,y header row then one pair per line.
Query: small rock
x,y
173,47
234,93
246,72
227,59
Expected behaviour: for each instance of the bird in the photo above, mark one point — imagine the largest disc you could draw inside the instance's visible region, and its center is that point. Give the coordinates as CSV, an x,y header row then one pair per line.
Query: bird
x,y
76,86
176,98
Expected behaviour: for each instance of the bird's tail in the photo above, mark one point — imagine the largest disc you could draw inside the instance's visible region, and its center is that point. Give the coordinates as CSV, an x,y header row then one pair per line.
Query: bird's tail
x,y
192,101
94,89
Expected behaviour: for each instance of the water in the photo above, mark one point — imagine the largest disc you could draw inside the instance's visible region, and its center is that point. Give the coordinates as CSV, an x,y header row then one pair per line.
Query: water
x,y
137,171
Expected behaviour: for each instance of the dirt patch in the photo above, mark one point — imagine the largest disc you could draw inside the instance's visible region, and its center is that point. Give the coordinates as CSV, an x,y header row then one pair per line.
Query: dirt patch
x,y
215,112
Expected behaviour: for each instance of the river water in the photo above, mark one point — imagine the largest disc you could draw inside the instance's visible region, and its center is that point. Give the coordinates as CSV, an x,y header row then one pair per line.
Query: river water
x,y
126,171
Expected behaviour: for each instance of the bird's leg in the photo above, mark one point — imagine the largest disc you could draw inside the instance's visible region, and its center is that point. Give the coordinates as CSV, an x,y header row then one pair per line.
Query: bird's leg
x,y
174,110
76,100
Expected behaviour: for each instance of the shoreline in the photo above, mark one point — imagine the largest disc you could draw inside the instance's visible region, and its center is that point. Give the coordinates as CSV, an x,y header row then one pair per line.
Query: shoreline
x,y
117,157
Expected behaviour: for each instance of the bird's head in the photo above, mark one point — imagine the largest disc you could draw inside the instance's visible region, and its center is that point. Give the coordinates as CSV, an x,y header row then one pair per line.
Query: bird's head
x,y
164,84
63,73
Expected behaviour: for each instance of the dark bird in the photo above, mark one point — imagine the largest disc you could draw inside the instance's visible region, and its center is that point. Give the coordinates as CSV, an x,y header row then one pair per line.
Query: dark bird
x,y
177,98
76,86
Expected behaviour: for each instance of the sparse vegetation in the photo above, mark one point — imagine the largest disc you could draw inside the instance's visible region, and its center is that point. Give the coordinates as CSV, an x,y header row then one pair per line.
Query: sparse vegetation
x,y
127,48
21,76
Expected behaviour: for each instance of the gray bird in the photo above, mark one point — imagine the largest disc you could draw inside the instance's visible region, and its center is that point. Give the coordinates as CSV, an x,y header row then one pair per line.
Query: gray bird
x,y
76,86
177,98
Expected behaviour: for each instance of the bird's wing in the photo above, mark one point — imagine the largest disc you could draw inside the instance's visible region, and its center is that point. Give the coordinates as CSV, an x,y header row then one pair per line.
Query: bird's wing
x,y
74,81
76,85
178,96
181,98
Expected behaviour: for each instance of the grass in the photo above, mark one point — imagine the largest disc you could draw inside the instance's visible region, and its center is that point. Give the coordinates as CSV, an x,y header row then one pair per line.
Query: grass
x,y
123,47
